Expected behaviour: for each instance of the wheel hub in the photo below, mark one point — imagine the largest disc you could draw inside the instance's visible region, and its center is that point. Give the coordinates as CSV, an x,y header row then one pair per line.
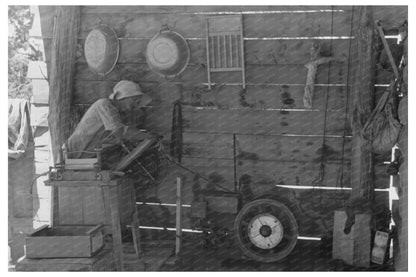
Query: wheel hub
x,y
265,231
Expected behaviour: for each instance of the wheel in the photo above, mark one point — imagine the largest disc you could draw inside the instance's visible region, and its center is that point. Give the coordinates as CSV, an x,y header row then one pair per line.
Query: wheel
x,y
266,230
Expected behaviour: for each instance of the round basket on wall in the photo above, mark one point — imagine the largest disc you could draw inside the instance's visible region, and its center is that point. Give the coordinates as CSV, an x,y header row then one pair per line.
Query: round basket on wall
x,y
167,53
102,49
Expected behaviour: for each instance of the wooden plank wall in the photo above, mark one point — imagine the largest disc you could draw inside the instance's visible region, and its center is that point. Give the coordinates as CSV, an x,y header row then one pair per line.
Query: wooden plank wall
x,y
274,142
38,72
20,175
31,207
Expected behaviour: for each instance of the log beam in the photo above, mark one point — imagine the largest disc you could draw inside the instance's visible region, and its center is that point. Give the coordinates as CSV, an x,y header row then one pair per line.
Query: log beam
x,y
63,54
362,171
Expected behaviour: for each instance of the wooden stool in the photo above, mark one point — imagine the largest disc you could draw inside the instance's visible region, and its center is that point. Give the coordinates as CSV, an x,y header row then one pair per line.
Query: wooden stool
x,y
107,201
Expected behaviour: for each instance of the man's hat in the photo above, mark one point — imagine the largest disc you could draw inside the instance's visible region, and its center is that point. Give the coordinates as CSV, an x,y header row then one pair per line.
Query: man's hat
x,y
125,89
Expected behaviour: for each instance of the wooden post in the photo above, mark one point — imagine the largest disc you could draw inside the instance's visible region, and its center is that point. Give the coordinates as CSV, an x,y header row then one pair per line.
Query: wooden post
x,y
243,66
111,200
208,57
362,167
136,229
178,244
401,260
64,44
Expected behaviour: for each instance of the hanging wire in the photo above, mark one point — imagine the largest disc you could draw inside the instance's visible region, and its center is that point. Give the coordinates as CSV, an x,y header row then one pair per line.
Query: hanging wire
x,y
322,166
347,100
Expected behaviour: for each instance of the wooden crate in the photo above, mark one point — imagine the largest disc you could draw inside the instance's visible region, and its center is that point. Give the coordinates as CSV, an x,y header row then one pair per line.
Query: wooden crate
x,y
353,248
82,202
64,242
103,261
381,243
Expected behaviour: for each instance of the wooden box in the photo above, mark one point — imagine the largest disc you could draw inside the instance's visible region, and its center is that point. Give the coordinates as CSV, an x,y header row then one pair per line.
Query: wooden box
x,y
381,242
82,202
102,261
353,248
64,242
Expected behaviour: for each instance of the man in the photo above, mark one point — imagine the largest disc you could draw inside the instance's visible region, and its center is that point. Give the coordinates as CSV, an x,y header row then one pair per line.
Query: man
x,y
102,121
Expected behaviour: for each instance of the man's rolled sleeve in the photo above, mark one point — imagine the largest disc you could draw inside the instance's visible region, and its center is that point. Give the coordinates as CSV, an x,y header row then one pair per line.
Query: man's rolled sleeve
x,y
109,116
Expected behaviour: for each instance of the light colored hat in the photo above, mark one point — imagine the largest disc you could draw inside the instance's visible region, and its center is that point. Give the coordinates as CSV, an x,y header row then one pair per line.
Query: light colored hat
x,y
124,89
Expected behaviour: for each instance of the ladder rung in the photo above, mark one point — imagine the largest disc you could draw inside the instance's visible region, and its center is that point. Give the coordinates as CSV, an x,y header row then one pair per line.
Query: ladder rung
x,y
222,69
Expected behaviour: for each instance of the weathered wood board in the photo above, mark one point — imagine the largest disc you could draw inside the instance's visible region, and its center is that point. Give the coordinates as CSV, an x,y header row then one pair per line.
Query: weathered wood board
x,y
208,145
269,147
200,8
37,72
304,173
390,15
84,205
39,114
20,175
103,261
256,97
193,25
256,51
316,206
47,14
277,46
288,160
248,121
196,74
40,91
292,149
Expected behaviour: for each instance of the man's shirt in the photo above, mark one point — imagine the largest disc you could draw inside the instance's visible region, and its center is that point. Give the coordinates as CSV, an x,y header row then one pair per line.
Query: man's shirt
x,y
100,117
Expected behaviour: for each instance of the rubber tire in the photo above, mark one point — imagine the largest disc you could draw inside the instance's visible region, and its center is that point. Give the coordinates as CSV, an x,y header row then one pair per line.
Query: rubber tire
x,y
291,225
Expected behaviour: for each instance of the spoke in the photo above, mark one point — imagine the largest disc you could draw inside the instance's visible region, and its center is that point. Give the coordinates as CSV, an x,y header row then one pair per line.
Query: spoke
x,y
274,226
256,235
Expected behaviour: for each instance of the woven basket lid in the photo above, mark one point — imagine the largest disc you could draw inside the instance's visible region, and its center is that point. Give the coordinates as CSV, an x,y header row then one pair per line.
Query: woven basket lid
x,y
101,49
167,53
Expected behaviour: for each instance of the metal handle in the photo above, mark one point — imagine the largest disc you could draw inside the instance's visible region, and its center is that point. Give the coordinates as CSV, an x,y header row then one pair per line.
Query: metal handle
x,y
165,28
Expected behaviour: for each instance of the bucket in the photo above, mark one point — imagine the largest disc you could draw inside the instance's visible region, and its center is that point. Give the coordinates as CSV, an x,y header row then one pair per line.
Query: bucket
x,y
101,49
167,53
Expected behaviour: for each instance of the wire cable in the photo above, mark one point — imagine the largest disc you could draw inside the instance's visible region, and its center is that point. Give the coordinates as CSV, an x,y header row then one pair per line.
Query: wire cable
x,y
324,148
33,181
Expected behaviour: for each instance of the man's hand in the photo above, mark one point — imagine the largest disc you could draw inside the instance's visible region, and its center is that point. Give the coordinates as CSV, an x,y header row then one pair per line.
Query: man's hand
x,y
116,137
132,134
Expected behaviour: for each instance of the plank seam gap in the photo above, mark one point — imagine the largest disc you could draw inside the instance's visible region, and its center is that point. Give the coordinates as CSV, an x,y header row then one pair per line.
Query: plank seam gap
x,y
226,12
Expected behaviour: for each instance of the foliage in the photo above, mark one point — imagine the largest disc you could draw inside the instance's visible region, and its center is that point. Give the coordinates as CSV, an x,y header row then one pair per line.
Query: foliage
x,y
20,52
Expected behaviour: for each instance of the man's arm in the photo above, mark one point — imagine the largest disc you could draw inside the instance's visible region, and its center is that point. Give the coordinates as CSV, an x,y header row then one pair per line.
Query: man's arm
x,y
109,115
116,129
132,134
